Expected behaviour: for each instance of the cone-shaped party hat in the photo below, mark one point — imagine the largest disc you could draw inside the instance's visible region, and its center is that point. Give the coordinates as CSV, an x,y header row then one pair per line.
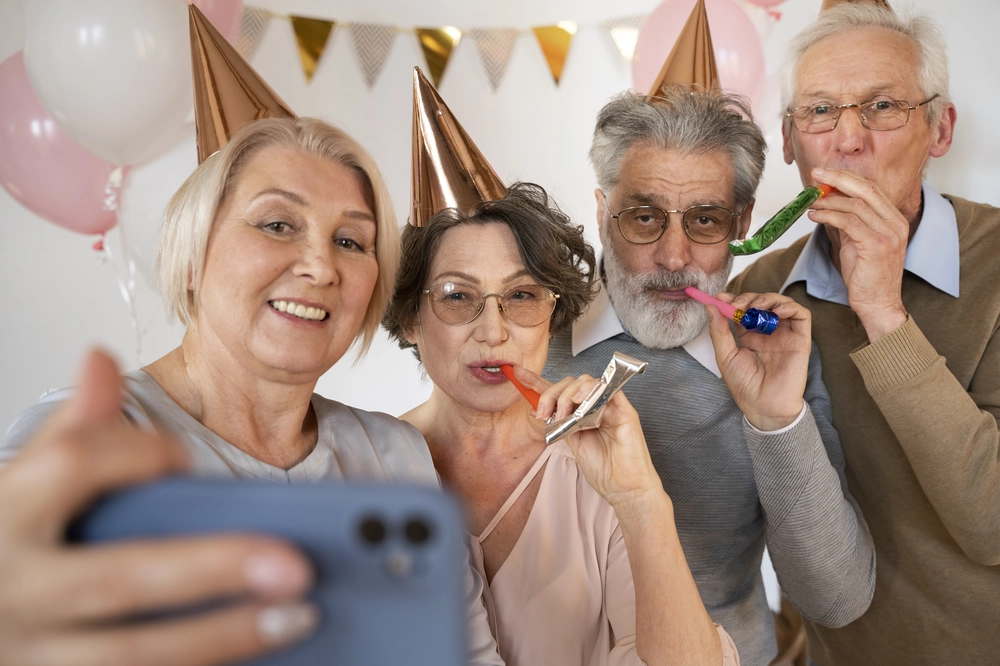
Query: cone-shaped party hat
x,y
829,4
448,171
228,93
691,62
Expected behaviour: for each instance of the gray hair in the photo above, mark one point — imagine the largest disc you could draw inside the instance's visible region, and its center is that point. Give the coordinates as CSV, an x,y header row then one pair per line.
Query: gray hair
x,y
689,122
190,214
923,32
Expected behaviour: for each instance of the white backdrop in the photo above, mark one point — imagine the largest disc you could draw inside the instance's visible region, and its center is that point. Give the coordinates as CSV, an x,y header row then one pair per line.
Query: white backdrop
x,y
57,300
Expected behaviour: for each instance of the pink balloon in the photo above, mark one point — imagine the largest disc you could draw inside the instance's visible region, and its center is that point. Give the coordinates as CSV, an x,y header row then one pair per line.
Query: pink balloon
x,y
46,171
738,53
223,14
765,3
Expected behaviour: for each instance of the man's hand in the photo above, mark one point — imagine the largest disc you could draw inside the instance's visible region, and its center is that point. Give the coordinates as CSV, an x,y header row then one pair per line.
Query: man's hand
x,y
65,604
873,240
766,373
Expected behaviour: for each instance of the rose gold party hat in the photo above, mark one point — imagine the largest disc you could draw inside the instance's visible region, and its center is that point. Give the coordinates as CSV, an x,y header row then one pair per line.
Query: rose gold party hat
x,y
228,93
448,170
691,62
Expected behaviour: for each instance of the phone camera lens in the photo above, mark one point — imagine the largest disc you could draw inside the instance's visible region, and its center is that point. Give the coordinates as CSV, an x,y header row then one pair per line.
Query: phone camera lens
x,y
372,530
417,531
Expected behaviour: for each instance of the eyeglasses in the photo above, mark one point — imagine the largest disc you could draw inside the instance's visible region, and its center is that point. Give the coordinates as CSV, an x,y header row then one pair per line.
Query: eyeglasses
x,y
879,115
526,305
704,224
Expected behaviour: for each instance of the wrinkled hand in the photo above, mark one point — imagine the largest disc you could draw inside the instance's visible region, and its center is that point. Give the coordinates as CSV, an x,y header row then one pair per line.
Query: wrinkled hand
x,y
613,457
62,604
874,236
765,373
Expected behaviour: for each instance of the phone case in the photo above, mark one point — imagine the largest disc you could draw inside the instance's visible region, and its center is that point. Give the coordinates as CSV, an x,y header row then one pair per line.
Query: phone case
x,y
390,560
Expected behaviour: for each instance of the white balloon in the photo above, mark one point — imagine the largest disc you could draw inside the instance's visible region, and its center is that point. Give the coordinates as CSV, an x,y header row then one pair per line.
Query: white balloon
x,y
144,196
115,74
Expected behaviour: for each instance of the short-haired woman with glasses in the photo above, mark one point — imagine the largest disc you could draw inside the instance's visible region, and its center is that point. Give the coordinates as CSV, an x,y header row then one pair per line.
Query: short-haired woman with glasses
x,y
558,532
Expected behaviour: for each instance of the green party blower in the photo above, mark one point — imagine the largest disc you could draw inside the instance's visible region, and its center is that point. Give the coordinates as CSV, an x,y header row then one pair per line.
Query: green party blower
x,y
780,223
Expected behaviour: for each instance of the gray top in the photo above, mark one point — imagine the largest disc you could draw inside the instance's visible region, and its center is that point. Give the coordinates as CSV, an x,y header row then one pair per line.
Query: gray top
x,y
353,444
734,489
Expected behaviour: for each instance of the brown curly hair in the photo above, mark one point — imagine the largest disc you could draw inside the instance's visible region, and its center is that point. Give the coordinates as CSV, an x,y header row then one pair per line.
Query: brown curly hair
x,y
552,248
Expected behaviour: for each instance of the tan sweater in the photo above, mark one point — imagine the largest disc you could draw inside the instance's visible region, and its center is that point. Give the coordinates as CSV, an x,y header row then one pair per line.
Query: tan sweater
x,y
917,414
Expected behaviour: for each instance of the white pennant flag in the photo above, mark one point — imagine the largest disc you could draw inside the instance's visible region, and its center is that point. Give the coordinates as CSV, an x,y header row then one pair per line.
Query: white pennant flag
x,y
253,23
372,43
495,46
625,32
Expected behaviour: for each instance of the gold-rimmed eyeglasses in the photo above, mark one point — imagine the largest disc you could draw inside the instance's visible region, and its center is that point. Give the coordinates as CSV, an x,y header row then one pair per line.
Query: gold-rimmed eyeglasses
x,y
878,114
457,303
705,224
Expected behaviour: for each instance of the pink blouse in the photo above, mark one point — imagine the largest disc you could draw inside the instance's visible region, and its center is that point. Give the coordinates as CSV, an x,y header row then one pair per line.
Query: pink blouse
x,y
564,595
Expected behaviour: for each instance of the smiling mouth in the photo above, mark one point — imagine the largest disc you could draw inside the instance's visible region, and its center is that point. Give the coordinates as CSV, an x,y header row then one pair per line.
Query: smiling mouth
x,y
299,310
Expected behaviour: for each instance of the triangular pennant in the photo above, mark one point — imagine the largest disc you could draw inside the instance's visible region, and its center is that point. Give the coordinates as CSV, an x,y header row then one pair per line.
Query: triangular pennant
x,y
625,32
311,35
438,44
448,170
228,93
253,23
829,4
691,62
555,41
372,43
495,46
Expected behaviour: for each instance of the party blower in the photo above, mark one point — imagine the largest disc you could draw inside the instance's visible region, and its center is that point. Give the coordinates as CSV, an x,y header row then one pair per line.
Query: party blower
x,y
758,321
780,223
588,415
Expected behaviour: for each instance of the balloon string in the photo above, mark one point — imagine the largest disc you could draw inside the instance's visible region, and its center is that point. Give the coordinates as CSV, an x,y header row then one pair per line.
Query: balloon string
x,y
124,272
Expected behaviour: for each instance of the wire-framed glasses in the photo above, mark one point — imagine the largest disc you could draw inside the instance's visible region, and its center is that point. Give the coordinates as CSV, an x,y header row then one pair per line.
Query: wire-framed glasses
x,y
878,114
457,303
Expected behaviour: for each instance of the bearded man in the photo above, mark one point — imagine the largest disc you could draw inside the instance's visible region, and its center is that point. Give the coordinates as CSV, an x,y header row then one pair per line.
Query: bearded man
x,y
677,175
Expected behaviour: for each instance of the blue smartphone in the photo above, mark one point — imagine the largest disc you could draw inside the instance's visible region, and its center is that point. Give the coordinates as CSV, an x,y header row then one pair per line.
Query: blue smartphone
x,y
390,560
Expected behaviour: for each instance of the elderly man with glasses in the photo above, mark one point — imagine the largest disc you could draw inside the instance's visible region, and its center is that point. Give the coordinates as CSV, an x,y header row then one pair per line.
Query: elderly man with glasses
x,y
906,283
740,436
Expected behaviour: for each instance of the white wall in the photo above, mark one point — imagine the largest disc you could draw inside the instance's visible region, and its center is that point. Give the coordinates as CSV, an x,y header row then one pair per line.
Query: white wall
x,y
57,300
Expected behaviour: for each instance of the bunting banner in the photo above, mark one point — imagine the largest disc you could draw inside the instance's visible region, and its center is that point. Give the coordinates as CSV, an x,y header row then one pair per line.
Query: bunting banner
x,y
372,43
311,35
625,33
438,44
253,23
555,41
494,46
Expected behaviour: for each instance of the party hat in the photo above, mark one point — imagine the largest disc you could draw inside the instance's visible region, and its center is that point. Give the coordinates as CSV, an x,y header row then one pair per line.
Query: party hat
x,y
829,4
228,93
448,171
691,62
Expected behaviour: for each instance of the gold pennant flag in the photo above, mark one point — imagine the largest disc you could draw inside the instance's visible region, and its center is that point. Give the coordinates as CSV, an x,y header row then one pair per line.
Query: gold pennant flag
x,y
312,36
555,41
438,44
691,62
829,4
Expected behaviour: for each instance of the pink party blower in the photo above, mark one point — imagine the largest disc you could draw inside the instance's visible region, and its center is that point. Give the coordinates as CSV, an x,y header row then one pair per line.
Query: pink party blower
x,y
758,321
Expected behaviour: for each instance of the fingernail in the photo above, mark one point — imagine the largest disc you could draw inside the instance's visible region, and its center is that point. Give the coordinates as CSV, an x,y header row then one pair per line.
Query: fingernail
x,y
819,172
273,575
278,625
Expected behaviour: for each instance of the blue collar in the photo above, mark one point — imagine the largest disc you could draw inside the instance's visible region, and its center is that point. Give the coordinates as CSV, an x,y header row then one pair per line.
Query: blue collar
x,y
932,255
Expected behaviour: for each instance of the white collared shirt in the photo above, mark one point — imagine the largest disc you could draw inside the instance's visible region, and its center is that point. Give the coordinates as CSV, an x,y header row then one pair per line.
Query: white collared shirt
x,y
932,255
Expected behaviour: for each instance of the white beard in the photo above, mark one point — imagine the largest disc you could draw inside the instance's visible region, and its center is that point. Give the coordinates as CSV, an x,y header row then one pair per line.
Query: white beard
x,y
654,322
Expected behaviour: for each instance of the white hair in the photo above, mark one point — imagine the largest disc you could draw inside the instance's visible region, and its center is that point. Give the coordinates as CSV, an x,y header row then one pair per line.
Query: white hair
x,y
922,31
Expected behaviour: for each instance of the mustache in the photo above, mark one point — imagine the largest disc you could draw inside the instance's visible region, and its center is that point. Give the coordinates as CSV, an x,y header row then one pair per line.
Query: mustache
x,y
669,281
